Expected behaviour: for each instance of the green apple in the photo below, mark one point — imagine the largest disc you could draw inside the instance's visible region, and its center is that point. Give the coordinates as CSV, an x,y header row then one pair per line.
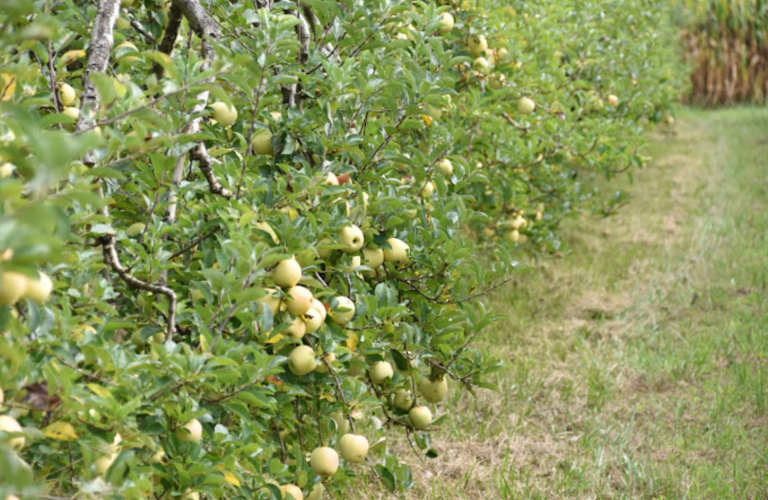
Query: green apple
x,y
514,236
301,360
126,3
6,169
477,45
501,53
12,286
342,310
342,422
330,357
128,48
261,142
353,448
481,64
299,300
433,391
398,253
324,461
352,238
103,463
496,81
526,106
519,222
403,399
291,491
66,94
192,432
316,493
38,290
9,424
270,300
428,190
71,112
122,23
157,457
445,166
446,23
373,257
420,417
287,273
297,328
380,372
224,114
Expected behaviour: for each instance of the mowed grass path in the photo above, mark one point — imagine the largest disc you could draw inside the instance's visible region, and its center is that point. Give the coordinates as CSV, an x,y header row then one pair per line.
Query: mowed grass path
x,y
637,366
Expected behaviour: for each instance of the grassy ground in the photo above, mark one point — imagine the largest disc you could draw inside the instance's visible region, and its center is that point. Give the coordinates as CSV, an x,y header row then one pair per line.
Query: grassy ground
x,y
638,365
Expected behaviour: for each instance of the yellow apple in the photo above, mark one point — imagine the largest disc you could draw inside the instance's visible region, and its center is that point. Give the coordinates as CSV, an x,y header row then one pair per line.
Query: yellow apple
x,y
126,3
301,360
373,257
38,290
158,457
428,190
315,316
291,491
103,463
191,495
66,94
2,396
128,48
352,238
324,461
501,53
287,273
613,100
514,236
192,432
353,448
331,179
477,45
317,492
398,253
380,372
481,64
71,112
270,300
9,424
296,329
330,357
420,417
446,23
262,142
342,310
12,286
497,81
299,300
225,114
122,23
433,391
526,106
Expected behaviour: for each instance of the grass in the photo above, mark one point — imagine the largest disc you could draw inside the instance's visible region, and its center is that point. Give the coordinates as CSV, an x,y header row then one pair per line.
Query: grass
x,y
637,366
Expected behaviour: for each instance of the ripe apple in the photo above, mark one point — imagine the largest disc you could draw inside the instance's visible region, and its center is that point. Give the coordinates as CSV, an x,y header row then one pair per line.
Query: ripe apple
x,y
324,461
613,100
12,286
331,179
342,423
420,417
514,236
330,357
497,81
433,391
103,463
79,332
71,112
314,319
6,169
373,257
301,360
403,399
191,495
353,448
192,432
446,23
287,273
428,190
481,64
342,310
66,94
157,457
355,369
291,490
225,114
299,300
263,226
352,238
9,424
270,300
122,23
126,3
501,53
398,253
316,493
526,106
297,329
519,222
477,45
129,48
39,289
380,372
261,142
445,166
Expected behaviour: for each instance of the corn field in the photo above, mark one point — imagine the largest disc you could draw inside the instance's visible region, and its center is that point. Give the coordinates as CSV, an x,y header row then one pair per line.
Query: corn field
x,y
727,44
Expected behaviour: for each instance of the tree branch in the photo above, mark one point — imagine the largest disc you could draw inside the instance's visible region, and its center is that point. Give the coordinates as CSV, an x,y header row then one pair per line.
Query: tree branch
x,y
169,37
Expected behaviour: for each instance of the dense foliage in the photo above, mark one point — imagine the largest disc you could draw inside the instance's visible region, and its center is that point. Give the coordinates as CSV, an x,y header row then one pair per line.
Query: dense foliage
x,y
377,150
